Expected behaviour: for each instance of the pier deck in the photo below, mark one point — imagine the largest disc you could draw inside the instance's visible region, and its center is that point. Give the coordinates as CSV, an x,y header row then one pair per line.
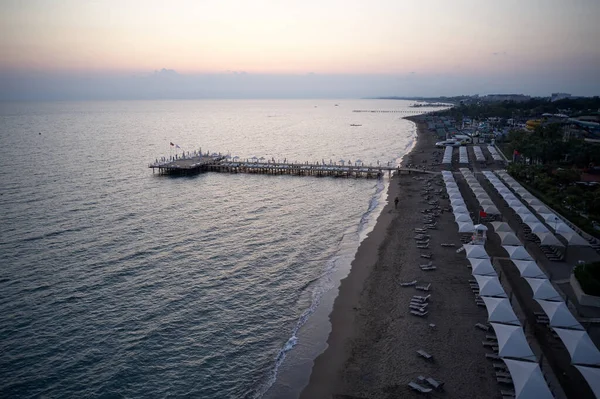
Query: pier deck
x,y
218,163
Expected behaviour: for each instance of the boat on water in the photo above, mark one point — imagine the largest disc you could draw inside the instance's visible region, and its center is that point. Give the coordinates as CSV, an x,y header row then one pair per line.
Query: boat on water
x,y
354,124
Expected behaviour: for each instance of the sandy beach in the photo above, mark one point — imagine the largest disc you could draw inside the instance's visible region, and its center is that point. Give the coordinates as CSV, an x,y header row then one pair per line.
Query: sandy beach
x,y
372,348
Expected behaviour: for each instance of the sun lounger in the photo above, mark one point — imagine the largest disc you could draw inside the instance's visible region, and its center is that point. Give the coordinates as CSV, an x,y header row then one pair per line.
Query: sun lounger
x,y
491,337
510,394
492,356
423,287
422,298
482,327
429,268
424,354
418,308
418,313
410,283
423,246
419,388
502,374
499,366
448,245
428,264
438,385
504,380
426,256
488,343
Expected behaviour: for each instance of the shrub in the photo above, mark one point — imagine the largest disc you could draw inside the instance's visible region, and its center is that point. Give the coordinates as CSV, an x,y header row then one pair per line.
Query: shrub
x,y
588,276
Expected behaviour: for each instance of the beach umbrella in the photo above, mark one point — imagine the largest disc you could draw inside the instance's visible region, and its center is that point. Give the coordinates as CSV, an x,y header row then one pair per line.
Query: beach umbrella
x,y
537,227
475,251
534,202
501,226
490,286
561,227
504,190
580,347
549,239
512,342
452,190
528,380
459,209
517,252
500,311
482,267
491,209
466,227
528,217
486,202
508,238
462,217
542,289
592,376
574,239
451,185
455,195
480,227
478,190
513,202
458,202
541,209
560,316
550,218
520,208
529,268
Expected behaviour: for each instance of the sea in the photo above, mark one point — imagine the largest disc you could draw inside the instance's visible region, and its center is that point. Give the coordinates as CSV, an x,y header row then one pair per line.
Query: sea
x,y
119,283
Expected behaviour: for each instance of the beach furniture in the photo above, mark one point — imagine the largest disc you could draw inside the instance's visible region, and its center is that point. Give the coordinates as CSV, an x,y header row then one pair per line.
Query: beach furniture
x,y
492,356
418,307
438,385
491,337
499,366
448,245
419,313
429,268
482,327
502,374
509,394
427,264
423,287
504,380
426,256
424,354
419,388
422,298
490,344
423,246
408,284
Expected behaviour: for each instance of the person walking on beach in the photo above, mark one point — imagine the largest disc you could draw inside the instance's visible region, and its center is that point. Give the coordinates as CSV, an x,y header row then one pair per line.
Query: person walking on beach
x,y
396,200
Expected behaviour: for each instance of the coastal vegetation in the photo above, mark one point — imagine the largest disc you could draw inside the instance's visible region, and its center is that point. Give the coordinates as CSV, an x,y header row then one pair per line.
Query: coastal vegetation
x,y
588,276
552,169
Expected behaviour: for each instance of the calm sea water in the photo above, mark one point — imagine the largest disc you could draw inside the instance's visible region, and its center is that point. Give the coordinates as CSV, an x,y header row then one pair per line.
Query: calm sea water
x,y
119,283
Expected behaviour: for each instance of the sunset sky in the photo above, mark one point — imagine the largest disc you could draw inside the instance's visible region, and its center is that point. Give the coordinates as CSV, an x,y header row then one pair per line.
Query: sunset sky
x,y
409,47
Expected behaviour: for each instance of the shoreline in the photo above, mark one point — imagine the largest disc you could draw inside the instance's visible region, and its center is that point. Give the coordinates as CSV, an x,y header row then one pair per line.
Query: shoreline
x,y
327,365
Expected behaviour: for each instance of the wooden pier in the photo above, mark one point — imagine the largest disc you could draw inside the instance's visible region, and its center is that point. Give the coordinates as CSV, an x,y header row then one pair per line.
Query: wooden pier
x,y
219,163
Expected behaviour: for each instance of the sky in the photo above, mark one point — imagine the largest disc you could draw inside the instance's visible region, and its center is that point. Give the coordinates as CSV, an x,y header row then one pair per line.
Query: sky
x,y
103,49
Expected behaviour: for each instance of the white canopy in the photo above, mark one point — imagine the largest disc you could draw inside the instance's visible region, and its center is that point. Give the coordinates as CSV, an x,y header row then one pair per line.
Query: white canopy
x,y
543,289
534,202
455,195
501,226
490,286
475,251
549,239
462,217
480,227
537,227
517,252
528,217
528,380
550,218
541,209
575,239
592,376
460,209
529,268
561,227
452,190
503,190
559,315
466,227
512,342
521,209
491,209
500,311
508,238
451,184
580,347
477,190
482,267
457,202
486,202
513,202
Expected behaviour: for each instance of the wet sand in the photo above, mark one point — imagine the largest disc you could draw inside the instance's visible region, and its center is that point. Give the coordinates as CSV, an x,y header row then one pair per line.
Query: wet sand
x,y
372,346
